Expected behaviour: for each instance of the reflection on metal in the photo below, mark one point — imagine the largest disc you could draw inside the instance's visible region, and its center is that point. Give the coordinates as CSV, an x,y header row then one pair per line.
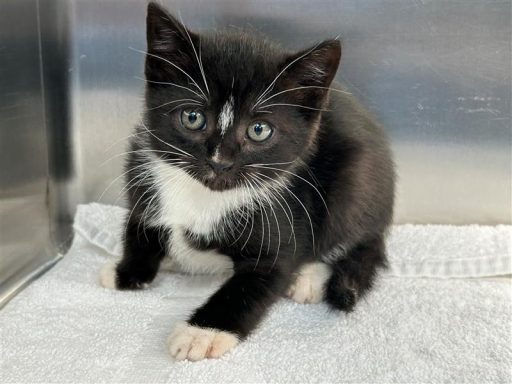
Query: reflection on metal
x,y
24,224
436,73
23,278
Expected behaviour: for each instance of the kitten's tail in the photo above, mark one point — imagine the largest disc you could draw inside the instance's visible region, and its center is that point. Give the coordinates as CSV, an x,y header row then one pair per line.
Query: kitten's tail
x,y
353,275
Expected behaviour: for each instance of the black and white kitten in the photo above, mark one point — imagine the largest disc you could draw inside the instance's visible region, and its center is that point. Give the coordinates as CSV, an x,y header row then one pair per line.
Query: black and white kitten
x,y
248,161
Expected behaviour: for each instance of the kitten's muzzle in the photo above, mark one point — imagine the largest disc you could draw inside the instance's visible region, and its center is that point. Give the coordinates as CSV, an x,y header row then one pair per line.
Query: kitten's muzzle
x,y
220,167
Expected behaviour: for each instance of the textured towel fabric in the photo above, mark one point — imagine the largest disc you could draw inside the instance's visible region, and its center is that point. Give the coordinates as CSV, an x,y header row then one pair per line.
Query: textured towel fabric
x,y
414,250
66,328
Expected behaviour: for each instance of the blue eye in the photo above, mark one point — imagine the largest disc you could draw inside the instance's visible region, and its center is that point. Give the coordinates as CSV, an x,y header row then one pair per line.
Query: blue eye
x,y
193,119
259,131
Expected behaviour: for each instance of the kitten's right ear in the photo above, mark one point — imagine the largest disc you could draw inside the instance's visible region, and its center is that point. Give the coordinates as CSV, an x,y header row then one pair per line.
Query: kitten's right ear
x,y
316,66
164,33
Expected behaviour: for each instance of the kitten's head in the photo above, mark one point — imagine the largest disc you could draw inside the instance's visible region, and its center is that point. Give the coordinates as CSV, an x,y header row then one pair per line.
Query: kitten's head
x,y
228,107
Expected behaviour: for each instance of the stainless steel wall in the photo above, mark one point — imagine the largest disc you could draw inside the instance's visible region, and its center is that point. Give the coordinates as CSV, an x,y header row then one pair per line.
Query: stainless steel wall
x,y
437,73
26,241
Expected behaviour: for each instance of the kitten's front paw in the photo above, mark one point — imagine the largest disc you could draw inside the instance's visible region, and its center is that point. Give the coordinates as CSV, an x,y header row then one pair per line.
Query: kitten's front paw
x,y
309,284
108,275
195,343
110,278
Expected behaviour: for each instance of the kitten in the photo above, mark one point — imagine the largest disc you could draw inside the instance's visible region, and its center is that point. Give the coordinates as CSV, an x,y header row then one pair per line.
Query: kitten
x,y
248,161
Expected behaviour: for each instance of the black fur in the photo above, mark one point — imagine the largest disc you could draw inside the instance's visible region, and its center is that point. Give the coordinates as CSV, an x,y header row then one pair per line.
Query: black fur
x,y
339,156
142,254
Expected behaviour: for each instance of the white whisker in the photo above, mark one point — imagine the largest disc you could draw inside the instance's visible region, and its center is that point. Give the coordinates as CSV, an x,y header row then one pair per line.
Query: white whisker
x,y
296,105
173,84
166,143
118,177
135,206
262,184
298,88
146,211
252,212
182,105
263,164
242,231
269,88
262,223
199,61
299,177
137,180
277,195
174,65
310,172
305,210
243,208
122,139
143,176
141,151
268,225
175,101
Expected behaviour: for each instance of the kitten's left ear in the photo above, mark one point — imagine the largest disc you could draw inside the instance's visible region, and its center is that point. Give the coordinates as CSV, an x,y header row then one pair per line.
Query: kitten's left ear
x,y
171,47
315,66
164,32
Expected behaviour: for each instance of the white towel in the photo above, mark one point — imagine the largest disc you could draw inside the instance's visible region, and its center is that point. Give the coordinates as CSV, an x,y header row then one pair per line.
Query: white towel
x,y
414,250
66,328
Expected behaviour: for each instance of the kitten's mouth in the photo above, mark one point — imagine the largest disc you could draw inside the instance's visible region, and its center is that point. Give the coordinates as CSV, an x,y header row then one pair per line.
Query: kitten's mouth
x,y
218,182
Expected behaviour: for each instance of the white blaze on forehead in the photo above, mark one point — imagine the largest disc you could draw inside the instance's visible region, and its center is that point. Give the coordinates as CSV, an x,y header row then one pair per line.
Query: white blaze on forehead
x,y
226,115
216,154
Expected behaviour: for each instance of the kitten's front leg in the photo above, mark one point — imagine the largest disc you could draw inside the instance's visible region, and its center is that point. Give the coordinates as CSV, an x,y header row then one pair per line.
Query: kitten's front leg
x,y
144,248
229,315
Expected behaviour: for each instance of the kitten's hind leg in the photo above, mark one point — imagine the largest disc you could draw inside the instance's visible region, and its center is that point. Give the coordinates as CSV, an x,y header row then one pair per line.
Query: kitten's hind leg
x,y
309,285
353,275
143,251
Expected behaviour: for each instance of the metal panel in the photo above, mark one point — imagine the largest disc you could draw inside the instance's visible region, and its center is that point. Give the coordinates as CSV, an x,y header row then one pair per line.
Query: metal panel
x,y
436,73
25,243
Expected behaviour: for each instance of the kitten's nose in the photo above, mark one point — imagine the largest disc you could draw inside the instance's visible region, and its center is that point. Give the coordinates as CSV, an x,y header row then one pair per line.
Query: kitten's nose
x,y
220,166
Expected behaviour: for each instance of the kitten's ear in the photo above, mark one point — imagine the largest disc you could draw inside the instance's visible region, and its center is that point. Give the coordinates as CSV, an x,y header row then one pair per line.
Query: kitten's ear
x,y
164,33
315,66
170,47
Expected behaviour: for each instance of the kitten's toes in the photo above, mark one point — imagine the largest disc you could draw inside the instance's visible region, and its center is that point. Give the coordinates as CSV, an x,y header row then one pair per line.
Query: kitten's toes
x,y
341,294
309,285
344,300
108,275
195,343
304,291
110,278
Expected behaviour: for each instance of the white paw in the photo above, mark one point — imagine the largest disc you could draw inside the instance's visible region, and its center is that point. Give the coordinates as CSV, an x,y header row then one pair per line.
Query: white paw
x,y
194,343
310,282
108,275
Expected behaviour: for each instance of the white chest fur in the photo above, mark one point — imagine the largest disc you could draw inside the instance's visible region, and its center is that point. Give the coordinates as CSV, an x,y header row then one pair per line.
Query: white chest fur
x,y
191,260
187,205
